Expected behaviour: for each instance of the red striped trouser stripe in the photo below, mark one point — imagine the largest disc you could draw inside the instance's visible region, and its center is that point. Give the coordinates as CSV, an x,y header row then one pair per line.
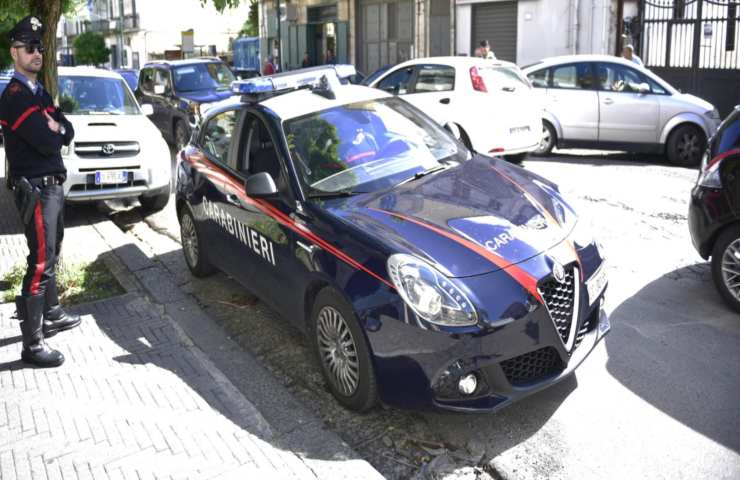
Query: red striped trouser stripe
x,y
41,248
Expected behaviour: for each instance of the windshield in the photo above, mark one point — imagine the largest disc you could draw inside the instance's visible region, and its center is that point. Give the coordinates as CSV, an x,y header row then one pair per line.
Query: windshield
x,y
367,146
503,77
95,95
202,76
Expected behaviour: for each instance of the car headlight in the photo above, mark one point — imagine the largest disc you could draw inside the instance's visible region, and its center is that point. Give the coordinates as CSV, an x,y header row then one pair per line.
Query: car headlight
x,y
712,114
429,293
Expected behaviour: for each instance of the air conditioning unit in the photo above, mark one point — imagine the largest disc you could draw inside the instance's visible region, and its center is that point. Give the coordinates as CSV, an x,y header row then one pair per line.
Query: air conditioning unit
x,y
288,12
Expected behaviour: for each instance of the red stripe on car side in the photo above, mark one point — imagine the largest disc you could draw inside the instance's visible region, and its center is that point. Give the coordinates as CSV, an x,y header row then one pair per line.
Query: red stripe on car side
x,y
721,156
4,123
523,278
41,250
212,170
23,117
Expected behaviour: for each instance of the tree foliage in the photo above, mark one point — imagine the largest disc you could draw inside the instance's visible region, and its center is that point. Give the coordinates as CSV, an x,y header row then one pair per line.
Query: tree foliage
x,y
251,26
221,5
90,49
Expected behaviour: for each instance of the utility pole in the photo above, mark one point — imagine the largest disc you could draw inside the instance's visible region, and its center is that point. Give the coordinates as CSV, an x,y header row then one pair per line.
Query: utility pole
x,y
120,33
279,39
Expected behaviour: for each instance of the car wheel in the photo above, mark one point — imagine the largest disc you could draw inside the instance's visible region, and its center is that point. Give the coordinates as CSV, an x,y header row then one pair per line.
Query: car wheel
x,y
195,257
343,352
547,141
686,146
726,266
181,135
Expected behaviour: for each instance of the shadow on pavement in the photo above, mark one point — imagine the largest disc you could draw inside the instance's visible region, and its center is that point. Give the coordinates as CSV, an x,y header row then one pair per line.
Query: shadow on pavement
x,y
676,345
602,159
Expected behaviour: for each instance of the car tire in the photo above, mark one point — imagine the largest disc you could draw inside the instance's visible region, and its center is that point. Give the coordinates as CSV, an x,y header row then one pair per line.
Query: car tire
x,y
155,203
548,141
725,261
190,239
342,351
686,146
516,159
180,134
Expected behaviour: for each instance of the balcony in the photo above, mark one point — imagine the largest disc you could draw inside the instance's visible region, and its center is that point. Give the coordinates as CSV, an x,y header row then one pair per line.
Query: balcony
x,y
110,25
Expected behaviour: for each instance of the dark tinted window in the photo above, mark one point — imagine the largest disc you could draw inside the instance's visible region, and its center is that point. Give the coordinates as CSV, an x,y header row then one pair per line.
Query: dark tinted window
x,y
217,134
146,80
202,76
539,78
397,82
730,135
434,78
575,76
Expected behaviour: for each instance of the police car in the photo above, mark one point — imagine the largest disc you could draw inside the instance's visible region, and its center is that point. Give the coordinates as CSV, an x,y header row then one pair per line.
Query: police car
x,y
424,276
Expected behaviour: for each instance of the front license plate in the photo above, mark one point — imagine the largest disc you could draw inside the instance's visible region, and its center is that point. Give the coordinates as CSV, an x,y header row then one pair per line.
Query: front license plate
x,y
596,285
111,177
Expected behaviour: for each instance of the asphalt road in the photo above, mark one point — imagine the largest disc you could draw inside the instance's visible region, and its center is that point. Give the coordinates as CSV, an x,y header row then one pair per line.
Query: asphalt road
x,y
659,398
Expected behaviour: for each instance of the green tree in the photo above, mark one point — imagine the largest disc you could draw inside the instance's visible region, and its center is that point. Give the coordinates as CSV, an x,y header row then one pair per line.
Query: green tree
x,y
49,12
90,49
251,26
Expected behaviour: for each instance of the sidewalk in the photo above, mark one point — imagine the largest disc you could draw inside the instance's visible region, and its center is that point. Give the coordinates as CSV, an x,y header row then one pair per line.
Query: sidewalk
x,y
148,387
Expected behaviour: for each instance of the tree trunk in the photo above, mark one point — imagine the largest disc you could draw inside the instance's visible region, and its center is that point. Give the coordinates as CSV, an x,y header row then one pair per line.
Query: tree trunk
x,y
49,12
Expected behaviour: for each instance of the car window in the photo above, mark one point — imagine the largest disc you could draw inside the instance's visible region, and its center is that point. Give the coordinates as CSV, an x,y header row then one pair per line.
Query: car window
x,y
162,77
503,77
146,80
365,146
730,137
80,95
216,135
613,77
434,78
202,76
575,76
539,78
397,82
260,152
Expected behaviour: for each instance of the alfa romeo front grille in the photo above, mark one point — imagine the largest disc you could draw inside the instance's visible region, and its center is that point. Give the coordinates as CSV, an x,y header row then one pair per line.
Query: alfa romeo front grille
x,y
560,298
533,366
106,149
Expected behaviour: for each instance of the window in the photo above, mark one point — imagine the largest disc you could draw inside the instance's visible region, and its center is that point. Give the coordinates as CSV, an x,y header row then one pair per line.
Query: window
x,y
216,135
261,153
575,76
202,76
434,78
619,78
539,78
146,80
162,77
397,82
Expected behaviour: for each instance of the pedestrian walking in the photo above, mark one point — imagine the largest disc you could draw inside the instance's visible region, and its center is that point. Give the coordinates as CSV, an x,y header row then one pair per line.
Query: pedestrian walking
x,y
628,53
269,67
35,131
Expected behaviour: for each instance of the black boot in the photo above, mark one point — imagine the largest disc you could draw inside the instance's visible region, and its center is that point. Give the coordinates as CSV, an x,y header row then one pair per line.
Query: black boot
x,y
35,350
55,318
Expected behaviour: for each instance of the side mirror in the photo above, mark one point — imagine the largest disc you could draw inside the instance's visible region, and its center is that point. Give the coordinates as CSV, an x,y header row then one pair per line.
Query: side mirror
x,y
147,109
260,185
159,89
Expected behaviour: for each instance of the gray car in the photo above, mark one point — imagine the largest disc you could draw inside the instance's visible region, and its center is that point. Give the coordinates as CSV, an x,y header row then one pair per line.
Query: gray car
x,y
609,103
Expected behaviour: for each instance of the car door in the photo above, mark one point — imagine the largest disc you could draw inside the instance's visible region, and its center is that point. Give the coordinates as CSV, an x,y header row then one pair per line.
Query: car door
x,y
573,101
626,115
215,140
432,91
265,240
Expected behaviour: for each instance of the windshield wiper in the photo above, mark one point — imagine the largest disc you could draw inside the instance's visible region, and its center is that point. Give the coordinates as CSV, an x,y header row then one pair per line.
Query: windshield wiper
x,y
428,171
337,194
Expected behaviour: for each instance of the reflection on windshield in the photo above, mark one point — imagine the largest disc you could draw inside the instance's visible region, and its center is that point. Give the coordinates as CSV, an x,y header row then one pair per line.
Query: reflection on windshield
x,y
370,144
95,95
202,76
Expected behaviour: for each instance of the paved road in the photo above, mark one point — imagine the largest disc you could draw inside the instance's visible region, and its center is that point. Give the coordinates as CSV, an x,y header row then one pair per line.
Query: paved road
x,y
657,399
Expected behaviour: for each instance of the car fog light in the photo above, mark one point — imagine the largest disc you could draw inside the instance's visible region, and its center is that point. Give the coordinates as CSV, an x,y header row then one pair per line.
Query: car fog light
x,y
467,384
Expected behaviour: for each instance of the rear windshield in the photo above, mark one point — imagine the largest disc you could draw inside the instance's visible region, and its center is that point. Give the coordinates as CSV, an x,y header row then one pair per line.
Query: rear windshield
x,y
503,77
202,76
95,95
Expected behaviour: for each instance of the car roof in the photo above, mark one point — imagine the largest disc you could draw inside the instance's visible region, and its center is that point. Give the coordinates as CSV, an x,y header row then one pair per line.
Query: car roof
x,y
189,61
459,61
87,72
304,101
547,62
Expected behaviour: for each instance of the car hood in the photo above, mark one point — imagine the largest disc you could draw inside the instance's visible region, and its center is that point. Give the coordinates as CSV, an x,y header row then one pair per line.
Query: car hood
x,y
206,96
699,103
482,216
112,128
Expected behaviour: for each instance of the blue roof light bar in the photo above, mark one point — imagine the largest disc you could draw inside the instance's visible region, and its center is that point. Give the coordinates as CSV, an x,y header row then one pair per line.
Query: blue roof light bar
x,y
287,81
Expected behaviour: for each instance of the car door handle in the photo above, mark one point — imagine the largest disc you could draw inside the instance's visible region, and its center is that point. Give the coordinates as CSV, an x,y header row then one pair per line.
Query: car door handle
x,y
233,199
446,101
608,101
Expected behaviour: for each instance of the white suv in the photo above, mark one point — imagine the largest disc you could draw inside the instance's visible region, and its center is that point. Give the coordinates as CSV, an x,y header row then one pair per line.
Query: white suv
x,y
117,151
489,101
604,102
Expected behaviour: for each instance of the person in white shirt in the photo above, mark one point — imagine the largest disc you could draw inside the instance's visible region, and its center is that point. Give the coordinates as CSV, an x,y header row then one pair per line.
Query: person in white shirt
x,y
628,52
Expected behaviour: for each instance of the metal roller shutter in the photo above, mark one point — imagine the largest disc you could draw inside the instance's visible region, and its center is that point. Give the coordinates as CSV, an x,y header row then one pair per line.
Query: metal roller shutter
x,y
497,23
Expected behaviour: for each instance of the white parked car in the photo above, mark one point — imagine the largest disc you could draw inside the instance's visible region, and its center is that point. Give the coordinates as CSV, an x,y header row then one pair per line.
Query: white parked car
x,y
117,151
489,101
609,103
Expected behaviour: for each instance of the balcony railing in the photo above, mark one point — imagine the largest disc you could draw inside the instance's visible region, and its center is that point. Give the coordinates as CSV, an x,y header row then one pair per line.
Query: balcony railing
x,y
130,22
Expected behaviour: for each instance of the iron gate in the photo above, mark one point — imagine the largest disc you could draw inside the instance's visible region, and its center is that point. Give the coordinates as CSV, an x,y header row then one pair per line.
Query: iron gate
x,y
695,46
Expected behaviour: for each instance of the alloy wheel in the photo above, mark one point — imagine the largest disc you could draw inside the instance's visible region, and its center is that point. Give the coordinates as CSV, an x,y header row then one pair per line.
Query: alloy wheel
x,y
545,140
338,351
731,268
689,147
189,240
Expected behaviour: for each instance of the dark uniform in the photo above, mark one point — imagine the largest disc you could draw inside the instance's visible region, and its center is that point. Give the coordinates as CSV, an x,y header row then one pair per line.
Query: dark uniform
x,y
36,173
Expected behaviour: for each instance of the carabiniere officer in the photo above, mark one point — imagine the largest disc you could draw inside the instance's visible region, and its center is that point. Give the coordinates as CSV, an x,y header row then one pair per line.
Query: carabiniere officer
x,y
34,131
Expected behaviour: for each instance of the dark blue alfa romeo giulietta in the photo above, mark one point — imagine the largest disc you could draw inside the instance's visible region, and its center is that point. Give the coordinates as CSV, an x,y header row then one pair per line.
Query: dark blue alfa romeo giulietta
x,y
424,275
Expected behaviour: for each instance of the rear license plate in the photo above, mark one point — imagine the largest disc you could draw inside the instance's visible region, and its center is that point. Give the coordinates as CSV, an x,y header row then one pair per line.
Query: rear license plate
x,y
111,177
596,284
519,129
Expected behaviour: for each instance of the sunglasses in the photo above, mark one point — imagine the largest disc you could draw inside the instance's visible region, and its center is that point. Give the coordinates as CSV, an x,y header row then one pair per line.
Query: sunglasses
x,y
31,49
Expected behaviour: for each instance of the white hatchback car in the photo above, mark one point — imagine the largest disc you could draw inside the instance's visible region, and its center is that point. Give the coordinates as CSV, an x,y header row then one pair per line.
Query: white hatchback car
x,y
117,151
609,103
489,101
